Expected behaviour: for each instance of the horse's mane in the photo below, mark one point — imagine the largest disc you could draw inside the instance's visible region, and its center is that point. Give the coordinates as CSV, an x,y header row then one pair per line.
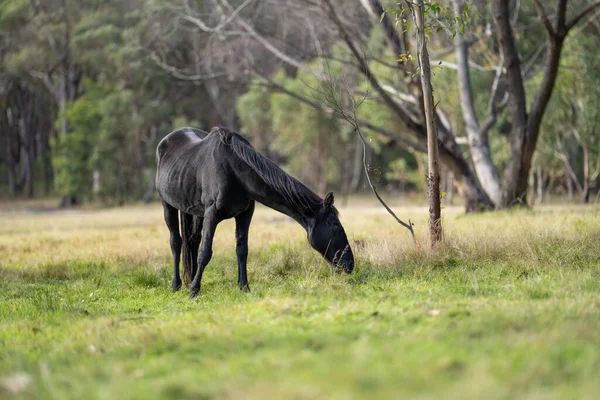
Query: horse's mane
x,y
294,191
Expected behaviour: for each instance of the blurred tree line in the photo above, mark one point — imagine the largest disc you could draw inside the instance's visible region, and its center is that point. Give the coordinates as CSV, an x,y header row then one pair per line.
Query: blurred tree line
x,y
89,87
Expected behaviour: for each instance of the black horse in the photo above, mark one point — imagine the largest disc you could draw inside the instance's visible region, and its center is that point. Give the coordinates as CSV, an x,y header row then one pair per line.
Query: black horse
x,y
214,176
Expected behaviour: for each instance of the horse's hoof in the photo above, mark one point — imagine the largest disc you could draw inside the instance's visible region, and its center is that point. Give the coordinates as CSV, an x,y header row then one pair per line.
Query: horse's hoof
x,y
245,288
194,292
176,286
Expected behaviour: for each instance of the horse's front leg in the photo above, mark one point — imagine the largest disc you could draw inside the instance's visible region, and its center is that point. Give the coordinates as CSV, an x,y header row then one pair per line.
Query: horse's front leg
x,y
209,226
242,226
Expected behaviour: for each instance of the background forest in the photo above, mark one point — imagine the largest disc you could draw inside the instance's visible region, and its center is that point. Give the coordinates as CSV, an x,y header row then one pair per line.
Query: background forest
x,y
89,87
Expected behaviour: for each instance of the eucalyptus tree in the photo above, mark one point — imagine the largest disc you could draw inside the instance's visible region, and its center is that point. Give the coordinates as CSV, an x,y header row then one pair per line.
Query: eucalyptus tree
x,y
571,133
482,181
26,112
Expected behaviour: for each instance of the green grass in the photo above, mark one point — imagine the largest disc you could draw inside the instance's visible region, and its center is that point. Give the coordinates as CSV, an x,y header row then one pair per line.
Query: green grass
x,y
509,307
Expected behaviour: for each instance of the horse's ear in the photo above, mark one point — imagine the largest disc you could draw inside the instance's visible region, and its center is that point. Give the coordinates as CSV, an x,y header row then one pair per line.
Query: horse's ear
x,y
328,202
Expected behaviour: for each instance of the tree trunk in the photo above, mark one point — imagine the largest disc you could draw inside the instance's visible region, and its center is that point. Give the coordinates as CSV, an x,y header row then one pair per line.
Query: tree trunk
x,y
12,178
551,178
139,153
68,201
29,166
96,183
477,135
540,184
570,190
62,108
585,196
531,185
47,166
467,185
433,178
10,165
513,192
449,151
526,126
30,157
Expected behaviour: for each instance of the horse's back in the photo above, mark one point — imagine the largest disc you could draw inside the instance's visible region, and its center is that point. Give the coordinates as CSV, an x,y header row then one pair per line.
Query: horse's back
x,y
178,140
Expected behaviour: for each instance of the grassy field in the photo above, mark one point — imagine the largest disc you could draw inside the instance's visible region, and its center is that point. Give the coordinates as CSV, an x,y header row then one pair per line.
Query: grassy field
x,y
508,308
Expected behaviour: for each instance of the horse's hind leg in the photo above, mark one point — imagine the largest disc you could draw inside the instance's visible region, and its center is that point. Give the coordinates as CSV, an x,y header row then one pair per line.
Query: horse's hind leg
x,y
172,220
242,226
191,232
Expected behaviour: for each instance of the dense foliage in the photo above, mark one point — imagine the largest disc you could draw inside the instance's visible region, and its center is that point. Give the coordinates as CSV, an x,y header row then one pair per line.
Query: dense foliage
x,y
89,87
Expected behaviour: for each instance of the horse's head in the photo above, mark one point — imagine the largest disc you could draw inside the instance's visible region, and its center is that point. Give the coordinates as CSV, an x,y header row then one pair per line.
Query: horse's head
x,y
327,236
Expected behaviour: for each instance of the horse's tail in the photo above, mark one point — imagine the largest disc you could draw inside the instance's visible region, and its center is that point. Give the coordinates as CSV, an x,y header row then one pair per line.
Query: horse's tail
x,y
187,227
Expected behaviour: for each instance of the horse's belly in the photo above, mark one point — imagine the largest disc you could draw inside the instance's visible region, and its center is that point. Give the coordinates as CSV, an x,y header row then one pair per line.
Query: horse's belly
x,y
184,195
183,204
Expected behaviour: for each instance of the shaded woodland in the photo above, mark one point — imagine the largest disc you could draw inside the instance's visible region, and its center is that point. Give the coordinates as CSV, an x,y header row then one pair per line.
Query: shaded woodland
x,y
89,87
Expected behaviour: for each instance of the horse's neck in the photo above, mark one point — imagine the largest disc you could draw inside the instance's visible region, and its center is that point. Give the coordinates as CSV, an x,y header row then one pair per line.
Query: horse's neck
x,y
302,215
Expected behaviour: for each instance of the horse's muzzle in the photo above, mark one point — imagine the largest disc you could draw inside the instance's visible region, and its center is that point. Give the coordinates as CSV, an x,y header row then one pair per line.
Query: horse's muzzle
x,y
346,263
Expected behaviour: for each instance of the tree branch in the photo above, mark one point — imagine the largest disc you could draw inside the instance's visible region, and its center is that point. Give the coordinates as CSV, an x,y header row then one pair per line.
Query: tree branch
x,y
581,15
224,21
493,109
180,74
515,15
570,171
55,91
377,12
544,18
330,111
454,66
332,97
408,225
405,98
528,70
403,114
